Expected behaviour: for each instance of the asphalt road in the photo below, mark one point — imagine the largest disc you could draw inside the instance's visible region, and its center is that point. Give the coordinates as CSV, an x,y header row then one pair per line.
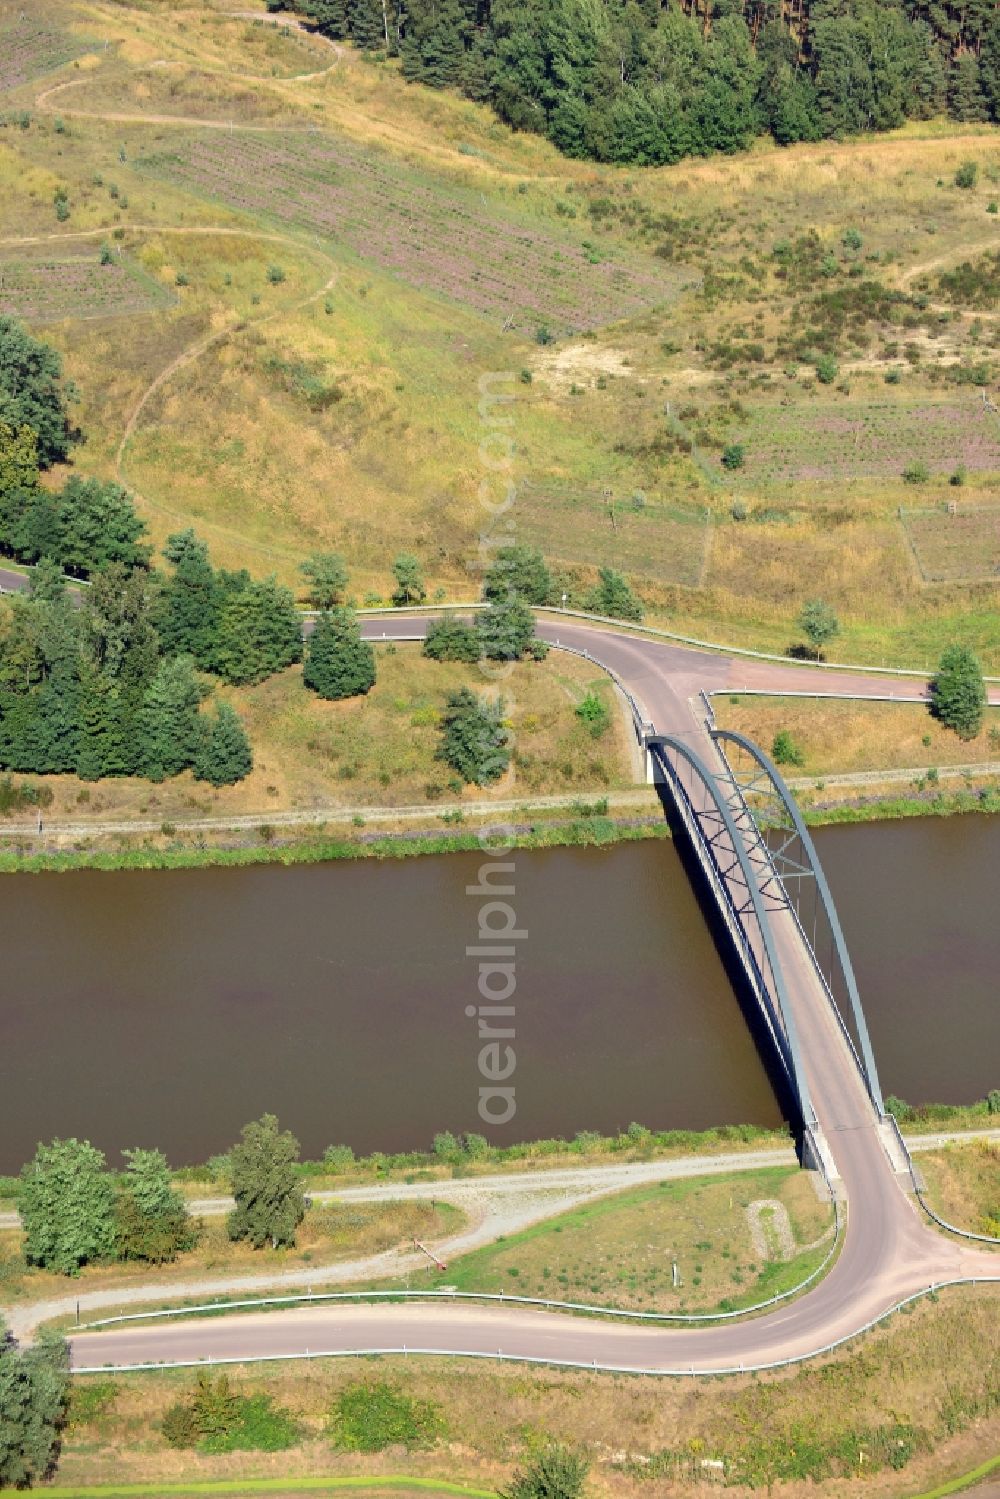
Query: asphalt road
x,y
889,1252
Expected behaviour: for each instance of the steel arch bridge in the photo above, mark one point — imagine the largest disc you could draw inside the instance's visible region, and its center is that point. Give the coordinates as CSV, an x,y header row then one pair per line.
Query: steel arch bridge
x,y
759,859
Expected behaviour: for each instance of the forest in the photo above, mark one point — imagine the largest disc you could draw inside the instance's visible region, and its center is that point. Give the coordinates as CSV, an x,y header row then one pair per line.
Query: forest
x,y
637,81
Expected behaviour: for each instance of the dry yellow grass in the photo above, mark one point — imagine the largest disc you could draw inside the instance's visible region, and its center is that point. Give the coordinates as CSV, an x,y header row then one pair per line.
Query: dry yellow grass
x,y
927,1374
963,1184
377,750
326,1235
852,736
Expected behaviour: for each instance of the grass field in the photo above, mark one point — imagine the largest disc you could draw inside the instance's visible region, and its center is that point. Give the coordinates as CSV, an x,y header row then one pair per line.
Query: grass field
x,y
328,1234
433,237
450,241
852,736
917,1397
955,546
847,441
963,1184
734,1242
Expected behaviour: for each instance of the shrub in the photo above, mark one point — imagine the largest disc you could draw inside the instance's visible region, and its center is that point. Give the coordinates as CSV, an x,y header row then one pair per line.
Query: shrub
x,y
826,369
594,714
554,1473
733,455
916,472
275,275
368,1417
214,1419
338,1157
967,174
107,255
451,640
784,750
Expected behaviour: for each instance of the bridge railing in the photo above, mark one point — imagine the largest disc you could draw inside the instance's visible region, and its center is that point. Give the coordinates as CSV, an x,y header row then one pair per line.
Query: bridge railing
x,y
786,843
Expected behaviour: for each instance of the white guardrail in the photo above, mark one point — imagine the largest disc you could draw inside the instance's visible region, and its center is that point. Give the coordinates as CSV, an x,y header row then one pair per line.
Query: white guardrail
x,y
918,1192
672,635
525,1358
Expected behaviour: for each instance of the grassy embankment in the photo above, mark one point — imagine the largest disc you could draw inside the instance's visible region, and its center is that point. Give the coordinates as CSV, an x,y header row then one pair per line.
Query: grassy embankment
x,y
963,1184
239,442
735,1242
842,739
377,751
917,1399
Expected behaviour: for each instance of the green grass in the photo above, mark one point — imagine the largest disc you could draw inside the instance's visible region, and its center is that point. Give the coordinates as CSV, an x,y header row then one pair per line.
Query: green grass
x,y
619,1251
964,1481
585,832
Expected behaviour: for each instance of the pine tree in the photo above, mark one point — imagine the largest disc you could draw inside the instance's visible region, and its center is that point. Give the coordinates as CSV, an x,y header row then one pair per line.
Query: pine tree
x,y
169,728
614,597
102,747
223,755
188,617
474,740
958,692
451,640
339,663
67,1206
269,1201
505,629
259,633
966,100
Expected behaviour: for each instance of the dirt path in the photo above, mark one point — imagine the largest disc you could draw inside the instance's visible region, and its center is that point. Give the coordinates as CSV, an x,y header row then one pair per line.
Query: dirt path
x,y
957,253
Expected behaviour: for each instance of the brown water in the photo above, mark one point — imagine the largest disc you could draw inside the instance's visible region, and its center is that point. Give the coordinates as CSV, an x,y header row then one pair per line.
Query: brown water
x,y
167,1008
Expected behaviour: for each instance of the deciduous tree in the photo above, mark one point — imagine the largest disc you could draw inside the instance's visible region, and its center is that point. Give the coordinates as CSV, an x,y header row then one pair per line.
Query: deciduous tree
x,y
67,1207
958,692
269,1201
34,1396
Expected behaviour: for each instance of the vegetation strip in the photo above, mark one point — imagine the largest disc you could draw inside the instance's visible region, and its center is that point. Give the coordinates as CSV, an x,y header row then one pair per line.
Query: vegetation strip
x,y
964,1481
273,1486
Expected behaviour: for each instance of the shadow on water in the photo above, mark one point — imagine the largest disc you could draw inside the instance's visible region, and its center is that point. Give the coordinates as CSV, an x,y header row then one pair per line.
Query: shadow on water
x,y
733,965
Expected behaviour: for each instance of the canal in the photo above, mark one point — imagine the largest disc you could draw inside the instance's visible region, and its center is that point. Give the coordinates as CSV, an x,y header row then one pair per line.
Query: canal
x,y
167,1008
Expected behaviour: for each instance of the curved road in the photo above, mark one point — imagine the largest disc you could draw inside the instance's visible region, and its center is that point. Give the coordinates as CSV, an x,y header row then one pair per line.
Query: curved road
x,y
889,1252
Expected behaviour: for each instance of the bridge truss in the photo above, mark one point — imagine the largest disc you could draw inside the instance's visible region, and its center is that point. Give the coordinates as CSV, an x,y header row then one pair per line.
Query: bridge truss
x,y
732,865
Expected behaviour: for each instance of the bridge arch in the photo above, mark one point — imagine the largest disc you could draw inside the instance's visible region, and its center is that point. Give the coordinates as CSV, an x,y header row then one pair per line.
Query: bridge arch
x,y
793,860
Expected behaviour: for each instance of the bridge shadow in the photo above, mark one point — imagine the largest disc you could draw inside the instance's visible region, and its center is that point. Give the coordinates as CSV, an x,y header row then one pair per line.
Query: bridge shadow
x,y
784,1093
